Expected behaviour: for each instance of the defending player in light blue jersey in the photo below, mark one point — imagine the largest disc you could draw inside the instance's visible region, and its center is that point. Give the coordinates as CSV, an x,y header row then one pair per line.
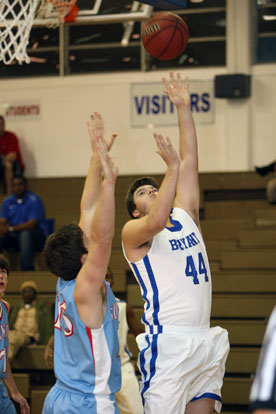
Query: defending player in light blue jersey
x,y
182,359
86,347
6,405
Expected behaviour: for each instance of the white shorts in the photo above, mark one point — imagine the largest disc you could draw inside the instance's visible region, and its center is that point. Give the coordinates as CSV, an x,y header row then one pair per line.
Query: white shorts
x,y
181,365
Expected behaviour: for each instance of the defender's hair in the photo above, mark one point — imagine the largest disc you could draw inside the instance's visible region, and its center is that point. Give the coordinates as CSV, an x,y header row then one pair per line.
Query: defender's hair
x,y
130,205
63,251
4,263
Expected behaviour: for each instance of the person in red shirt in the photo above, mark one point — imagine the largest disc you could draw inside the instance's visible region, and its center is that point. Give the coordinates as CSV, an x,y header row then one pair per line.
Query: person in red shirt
x,y
11,162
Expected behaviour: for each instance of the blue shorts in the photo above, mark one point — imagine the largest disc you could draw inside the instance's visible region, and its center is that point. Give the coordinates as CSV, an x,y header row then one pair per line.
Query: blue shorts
x,y
6,405
59,401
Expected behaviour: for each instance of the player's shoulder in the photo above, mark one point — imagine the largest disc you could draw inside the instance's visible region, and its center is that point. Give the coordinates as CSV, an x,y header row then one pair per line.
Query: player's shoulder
x,y
127,227
133,225
127,224
185,214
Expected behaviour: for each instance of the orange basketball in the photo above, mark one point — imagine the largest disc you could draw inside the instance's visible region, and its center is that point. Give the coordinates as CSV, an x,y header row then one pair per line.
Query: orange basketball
x,y
165,36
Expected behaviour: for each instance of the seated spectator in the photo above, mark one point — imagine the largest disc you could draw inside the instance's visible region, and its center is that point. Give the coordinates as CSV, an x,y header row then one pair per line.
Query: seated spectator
x,y
128,399
30,322
11,162
22,223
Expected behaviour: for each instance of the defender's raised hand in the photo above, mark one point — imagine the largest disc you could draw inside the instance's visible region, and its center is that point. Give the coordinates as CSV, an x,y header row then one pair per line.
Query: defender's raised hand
x,y
166,150
110,170
95,128
178,94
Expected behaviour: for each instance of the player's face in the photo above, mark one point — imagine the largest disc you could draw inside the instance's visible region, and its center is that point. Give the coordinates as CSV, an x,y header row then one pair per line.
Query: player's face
x,y
143,198
3,281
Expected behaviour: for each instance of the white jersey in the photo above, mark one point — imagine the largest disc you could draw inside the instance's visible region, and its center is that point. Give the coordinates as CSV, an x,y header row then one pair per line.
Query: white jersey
x,y
123,332
174,276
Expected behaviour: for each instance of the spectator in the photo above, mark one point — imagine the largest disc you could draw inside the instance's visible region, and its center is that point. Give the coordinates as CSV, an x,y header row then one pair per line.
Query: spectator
x,y
128,399
22,222
6,405
31,321
263,391
11,162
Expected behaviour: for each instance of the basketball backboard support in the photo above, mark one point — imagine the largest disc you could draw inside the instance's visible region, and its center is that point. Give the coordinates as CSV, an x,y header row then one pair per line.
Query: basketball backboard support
x,y
90,12
166,4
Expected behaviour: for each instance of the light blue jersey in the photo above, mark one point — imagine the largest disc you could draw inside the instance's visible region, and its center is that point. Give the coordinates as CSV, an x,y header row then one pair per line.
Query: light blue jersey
x,y
6,406
87,361
4,339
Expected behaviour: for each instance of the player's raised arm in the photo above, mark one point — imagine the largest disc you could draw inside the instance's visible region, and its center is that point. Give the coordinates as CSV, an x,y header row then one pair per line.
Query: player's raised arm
x,y
153,206
187,193
93,180
92,274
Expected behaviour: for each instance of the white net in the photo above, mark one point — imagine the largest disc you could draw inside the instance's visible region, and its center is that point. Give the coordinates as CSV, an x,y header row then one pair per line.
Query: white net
x,y
16,19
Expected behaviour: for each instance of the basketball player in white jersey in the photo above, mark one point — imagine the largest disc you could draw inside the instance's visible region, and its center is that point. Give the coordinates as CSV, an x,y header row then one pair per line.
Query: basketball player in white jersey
x,y
86,350
128,398
263,391
182,359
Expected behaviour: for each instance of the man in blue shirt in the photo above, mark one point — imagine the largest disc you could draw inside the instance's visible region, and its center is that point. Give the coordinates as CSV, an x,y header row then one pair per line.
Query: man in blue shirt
x,y
22,221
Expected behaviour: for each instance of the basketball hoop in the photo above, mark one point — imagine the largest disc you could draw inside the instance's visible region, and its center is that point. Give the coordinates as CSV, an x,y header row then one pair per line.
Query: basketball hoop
x,y
50,8
16,20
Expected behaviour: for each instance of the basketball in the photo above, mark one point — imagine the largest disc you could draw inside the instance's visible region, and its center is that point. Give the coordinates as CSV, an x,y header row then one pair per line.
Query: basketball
x,y
165,36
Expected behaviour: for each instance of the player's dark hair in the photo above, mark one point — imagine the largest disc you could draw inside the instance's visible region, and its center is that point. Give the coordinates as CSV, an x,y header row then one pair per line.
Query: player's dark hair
x,y
2,119
4,263
130,205
63,251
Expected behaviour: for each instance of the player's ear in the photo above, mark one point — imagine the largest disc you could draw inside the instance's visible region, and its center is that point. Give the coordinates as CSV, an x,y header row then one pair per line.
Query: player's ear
x,y
83,258
135,213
